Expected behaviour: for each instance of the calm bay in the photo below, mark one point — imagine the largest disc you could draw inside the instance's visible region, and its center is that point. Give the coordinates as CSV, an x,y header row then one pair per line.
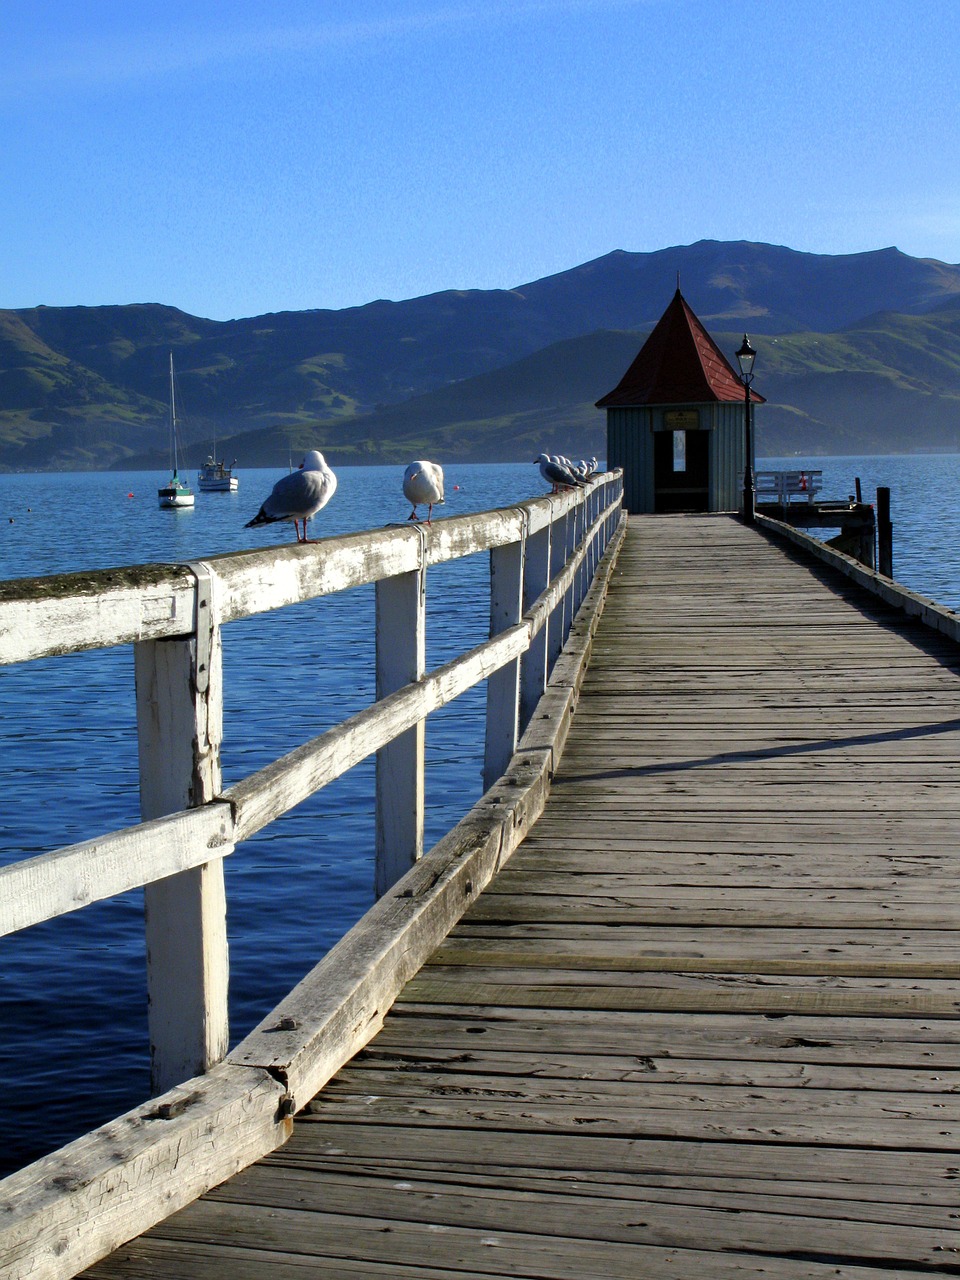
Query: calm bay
x,y
73,1038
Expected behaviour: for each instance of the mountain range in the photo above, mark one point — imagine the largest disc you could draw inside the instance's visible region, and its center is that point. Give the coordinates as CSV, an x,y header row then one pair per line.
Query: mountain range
x,y
856,353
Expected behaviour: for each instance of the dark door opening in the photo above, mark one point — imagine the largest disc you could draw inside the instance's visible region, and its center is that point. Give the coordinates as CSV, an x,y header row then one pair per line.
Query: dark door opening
x,y
681,470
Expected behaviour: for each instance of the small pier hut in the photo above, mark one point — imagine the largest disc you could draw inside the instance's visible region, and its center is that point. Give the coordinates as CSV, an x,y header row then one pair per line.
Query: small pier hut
x,y
675,421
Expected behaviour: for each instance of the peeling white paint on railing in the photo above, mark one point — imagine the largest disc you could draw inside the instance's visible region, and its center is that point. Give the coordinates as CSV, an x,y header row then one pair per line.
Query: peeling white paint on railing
x,y
214,1115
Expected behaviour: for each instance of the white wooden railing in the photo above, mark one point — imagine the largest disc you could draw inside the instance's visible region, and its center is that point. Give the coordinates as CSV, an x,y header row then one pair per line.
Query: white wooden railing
x,y
543,557
784,486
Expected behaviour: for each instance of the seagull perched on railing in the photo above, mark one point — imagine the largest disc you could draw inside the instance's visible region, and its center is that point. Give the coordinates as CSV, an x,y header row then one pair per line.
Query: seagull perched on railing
x,y
557,473
423,484
299,495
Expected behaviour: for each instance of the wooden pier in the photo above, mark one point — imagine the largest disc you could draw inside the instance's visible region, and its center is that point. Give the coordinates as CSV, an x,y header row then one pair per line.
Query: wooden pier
x,y
703,1023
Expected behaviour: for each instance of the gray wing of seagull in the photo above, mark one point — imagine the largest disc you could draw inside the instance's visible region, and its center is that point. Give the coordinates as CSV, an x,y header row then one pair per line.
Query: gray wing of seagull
x,y
556,473
297,496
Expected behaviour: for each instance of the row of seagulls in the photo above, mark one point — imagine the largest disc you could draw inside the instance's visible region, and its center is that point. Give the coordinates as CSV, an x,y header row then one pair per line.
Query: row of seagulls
x,y
301,494
559,472
423,485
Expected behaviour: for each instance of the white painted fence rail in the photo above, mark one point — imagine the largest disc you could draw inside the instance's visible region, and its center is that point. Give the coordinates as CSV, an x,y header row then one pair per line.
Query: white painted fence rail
x,y
784,486
544,555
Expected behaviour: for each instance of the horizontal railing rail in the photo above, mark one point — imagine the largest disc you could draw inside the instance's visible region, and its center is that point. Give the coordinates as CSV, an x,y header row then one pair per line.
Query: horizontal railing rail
x,y
784,486
547,589
936,616
71,612
543,554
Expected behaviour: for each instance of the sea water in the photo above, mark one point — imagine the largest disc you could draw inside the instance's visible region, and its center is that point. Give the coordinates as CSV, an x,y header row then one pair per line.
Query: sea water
x,y
73,1034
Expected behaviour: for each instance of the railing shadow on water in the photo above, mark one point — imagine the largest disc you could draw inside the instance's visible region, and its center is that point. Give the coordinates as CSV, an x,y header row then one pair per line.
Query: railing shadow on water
x,y
199,801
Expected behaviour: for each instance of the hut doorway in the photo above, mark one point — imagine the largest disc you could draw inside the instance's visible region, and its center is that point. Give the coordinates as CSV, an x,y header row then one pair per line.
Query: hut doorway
x,y
681,470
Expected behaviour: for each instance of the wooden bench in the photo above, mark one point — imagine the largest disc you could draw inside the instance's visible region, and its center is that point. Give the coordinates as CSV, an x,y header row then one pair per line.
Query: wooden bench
x,y
783,487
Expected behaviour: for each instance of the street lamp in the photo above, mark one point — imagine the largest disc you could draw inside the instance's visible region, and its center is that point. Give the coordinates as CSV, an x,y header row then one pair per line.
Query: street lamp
x,y
745,358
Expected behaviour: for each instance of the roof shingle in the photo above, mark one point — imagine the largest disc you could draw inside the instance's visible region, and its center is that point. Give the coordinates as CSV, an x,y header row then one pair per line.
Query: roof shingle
x,y
678,364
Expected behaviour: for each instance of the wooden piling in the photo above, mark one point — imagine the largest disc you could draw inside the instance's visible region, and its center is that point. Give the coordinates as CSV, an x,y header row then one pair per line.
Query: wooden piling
x,y
884,533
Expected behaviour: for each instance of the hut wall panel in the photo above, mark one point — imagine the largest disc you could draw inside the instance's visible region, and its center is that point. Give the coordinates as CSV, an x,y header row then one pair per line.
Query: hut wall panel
x,y
630,445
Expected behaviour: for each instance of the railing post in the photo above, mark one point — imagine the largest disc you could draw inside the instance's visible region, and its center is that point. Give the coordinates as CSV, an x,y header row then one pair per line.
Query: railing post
x,y
583,573
533,664
401,660
613,497
503,687
592,512
179,729
569,607
556,634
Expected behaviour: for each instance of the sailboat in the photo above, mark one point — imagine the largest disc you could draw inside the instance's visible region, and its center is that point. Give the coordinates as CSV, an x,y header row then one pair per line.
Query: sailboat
x,y
176,492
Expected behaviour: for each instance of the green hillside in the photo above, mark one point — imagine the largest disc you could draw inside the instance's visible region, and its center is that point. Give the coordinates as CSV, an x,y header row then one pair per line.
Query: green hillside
x,y
489,374
891,383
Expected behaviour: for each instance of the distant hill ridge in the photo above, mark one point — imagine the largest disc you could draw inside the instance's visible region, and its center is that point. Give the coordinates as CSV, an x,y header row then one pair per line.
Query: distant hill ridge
x,y
852,348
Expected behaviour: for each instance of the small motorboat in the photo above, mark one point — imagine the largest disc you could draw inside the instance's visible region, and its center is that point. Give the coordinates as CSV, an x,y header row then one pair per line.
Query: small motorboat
x,y
215,477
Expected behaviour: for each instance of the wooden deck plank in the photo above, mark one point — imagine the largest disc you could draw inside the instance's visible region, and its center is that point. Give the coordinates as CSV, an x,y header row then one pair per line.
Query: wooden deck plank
x,y
178,1260
459,1195
840,1170
447,1068
706,1023
577,1243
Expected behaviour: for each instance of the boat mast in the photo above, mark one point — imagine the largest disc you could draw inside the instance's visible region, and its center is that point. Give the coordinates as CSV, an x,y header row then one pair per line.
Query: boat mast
x,y
173,420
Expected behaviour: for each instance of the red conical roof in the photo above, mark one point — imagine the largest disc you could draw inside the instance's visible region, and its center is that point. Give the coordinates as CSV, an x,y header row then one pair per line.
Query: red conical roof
x,y
678,364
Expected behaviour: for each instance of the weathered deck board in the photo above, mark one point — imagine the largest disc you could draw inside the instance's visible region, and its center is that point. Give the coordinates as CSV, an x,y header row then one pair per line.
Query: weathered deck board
x,y
707,1022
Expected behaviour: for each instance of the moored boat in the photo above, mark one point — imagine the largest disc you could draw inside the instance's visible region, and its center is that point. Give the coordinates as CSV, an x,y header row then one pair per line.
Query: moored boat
x,y
176,492
215,477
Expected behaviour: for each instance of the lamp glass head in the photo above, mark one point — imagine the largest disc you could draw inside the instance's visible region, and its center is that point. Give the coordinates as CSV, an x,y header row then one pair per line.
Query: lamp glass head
x,y
745,358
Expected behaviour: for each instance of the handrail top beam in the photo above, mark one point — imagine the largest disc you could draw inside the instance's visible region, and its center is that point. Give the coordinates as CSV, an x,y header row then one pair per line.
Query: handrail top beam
x,y
64,613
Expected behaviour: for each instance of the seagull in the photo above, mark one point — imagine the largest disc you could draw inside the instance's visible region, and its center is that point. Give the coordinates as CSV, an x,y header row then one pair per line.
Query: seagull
x,y
556,474
299,495
423,483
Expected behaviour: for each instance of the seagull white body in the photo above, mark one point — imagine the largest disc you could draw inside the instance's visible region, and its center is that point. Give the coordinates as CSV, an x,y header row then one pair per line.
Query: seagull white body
x,y
299,495
423,484
556,474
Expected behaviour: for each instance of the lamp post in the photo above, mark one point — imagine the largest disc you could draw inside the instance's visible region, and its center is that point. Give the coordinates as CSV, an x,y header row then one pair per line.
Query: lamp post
x,y
745,358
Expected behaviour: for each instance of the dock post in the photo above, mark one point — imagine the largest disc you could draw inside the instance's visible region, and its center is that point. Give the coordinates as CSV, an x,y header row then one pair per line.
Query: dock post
x,y
533,664
179,693
503,686
867,554
401,606
556,631
884,533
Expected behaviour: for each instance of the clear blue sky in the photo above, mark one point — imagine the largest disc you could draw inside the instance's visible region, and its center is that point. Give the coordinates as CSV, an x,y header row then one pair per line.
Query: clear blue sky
x,y
232,158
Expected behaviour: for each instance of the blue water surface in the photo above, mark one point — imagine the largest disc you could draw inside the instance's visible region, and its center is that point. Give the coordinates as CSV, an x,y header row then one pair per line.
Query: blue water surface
x,y
72,991
73,1038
